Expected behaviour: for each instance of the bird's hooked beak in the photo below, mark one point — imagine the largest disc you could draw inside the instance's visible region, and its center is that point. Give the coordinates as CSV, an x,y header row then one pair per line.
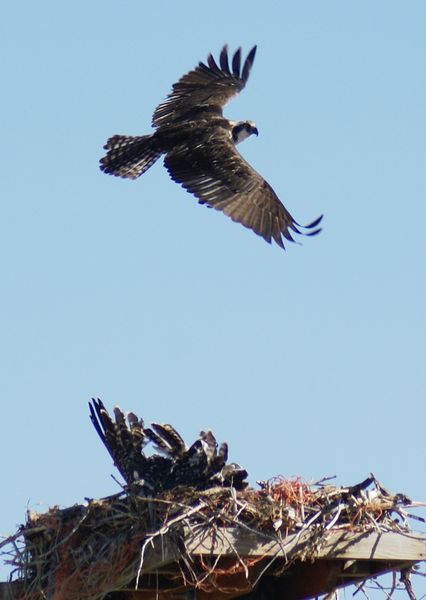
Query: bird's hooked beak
x,y
254,130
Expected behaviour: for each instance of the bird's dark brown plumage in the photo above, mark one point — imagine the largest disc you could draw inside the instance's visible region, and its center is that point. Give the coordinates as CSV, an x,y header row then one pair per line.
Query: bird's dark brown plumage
x,y
205,90
200,466
200,152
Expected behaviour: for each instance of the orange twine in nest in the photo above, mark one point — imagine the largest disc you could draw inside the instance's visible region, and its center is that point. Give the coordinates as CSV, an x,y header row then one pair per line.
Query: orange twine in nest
x,y
211,581
99,576
289,491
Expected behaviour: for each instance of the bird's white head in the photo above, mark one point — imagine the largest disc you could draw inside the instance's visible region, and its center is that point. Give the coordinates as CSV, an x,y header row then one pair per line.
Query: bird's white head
x,y
241,130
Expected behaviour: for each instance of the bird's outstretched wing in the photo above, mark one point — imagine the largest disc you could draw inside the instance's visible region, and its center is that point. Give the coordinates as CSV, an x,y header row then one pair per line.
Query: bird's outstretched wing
x,y
205,90
217,174
200,466
123,442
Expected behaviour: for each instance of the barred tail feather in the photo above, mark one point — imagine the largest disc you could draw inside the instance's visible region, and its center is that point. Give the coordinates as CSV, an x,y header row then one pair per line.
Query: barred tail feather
x,y
129,156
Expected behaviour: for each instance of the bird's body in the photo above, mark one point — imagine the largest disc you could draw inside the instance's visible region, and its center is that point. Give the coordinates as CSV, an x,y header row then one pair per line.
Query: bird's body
x,y
199,148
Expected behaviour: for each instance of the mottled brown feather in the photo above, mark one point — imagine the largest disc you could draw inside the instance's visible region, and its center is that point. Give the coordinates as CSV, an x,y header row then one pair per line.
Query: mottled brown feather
x,y
218,176
210,86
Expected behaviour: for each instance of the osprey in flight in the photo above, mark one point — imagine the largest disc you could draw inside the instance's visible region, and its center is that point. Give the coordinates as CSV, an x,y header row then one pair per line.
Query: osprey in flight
x,y
200,151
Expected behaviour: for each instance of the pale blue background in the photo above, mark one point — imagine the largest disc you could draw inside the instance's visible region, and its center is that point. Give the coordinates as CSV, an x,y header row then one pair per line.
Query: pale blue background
x,y
309,362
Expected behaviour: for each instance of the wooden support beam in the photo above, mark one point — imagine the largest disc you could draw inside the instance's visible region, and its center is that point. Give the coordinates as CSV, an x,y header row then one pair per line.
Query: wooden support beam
x,y
342,544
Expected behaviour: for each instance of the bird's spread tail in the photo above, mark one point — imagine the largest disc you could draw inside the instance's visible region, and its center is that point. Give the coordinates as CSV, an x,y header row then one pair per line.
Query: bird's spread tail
x,y
129,156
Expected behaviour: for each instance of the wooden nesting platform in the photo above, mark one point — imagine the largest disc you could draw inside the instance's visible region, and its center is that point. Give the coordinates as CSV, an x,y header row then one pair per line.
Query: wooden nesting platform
x,y
266,569
344,558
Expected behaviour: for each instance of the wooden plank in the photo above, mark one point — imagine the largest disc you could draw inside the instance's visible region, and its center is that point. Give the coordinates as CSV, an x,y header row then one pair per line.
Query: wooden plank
x,y
389,545
338,544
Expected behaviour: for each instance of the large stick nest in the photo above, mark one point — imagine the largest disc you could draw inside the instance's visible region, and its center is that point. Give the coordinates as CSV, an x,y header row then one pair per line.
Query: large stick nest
x,y
86,551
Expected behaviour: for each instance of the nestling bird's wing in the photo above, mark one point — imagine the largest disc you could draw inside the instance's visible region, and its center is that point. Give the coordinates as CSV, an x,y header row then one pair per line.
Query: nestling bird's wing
x,y
217,174
205,90
209,445
123,443
166,439
201,466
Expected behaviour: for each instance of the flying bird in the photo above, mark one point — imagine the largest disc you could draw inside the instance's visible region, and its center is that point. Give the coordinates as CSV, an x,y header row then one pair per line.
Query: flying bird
x,y
199,145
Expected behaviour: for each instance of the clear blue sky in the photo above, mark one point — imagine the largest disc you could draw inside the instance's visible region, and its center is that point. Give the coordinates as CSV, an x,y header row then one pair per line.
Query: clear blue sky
x,y
309,362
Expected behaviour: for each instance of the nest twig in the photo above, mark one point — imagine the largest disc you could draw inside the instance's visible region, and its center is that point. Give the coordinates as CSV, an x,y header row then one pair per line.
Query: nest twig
x,y
87,551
